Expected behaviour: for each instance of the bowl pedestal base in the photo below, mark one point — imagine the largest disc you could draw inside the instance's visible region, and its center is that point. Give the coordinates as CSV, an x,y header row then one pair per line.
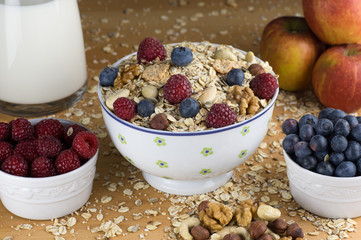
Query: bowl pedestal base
x,y
187,187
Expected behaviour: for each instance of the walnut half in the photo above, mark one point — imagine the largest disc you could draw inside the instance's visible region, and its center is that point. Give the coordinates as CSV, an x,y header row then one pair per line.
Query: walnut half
x,y
215,216
128,73
245,98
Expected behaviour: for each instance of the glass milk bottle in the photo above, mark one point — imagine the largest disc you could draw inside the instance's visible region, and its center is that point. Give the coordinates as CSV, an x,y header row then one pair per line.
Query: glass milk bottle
x,y
42,57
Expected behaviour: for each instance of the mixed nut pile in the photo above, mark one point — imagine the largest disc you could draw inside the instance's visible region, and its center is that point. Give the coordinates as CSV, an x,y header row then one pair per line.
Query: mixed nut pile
x,y
248,221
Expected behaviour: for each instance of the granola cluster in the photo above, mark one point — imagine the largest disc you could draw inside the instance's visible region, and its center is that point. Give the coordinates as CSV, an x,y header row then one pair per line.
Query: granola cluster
x,y
207,74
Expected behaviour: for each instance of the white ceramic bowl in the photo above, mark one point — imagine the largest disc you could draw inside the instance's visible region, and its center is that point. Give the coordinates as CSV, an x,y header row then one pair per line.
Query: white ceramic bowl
x,y
48,197
325,196
187,163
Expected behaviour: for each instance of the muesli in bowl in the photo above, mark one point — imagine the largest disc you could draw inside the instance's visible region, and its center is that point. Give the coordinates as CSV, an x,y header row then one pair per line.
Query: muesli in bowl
x,y
187,114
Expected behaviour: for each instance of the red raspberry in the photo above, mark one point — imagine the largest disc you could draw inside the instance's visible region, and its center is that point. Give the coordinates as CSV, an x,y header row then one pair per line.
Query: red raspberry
x,y
220,115
67,161
27,150
49,126
264,85
15,165
5,131
21,130
42,167
85,144
48,146
125,108
6,150
177,88
150,49
71,131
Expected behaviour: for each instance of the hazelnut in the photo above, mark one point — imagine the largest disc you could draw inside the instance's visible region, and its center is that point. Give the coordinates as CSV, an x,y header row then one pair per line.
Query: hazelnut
x,y
278,226
255,69
159,122
294,231
257,229
231,236
203,205
265,236
199,233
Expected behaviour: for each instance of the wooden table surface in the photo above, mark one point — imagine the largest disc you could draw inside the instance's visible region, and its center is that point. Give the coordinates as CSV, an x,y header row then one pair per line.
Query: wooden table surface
x,y
113,29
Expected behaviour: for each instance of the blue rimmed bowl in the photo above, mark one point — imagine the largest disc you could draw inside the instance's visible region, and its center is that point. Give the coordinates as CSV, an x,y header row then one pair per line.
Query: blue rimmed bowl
x,y
187,163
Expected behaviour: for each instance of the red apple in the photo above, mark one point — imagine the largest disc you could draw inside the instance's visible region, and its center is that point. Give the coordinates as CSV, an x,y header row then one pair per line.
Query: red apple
x,y
334,21
336,77
291,48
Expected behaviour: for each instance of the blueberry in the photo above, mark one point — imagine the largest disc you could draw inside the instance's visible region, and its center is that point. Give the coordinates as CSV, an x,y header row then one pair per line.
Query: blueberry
x,y
358,166
181,56
308,163
352,120
289,143
189,107
145,108
345,169
336,158
355,133
335,115
339,143
353,151
320,156
325,112
323,126
289,126
342,127
358,119
307,119
235,77
318,143
306,132
325,168
107,76
302,149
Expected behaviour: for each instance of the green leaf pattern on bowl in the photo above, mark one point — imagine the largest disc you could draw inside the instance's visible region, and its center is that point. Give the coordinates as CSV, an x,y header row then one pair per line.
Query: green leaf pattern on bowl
x,y
205,171
159,141
162,164
122,139
129,159
207,151
243,153
245,130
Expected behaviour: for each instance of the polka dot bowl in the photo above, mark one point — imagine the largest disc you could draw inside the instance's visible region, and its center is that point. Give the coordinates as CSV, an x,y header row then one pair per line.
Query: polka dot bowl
x,y
187,163
48,197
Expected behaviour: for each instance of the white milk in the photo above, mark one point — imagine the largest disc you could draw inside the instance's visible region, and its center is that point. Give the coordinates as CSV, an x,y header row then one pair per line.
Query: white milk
x,y
42,56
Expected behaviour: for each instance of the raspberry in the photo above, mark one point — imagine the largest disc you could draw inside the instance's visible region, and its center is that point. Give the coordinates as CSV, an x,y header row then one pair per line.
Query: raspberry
x,y
71,131
85,144
67,161
125,108
15,165
42,167
48,146
6,150
49,126
220,115
27,150
177,88
5,131
150,49
21,130
264,85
